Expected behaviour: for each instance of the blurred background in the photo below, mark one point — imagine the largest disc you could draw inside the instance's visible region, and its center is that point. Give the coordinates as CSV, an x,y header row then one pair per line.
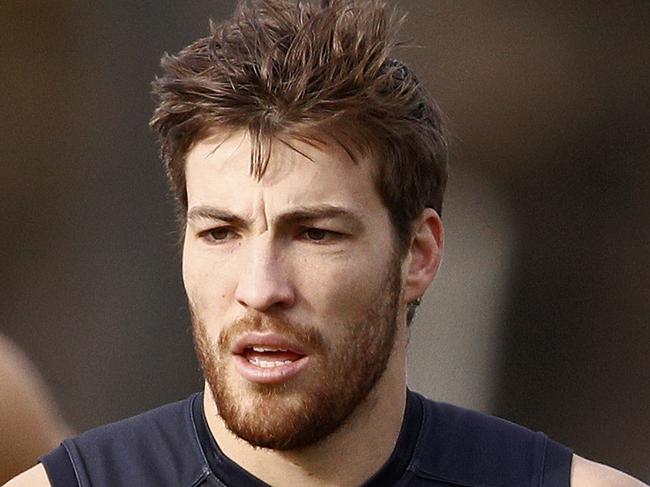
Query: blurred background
x,y
541,311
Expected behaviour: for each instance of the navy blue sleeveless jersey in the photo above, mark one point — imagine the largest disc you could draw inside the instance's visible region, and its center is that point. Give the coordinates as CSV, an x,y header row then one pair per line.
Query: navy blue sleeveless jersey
x,y
438,445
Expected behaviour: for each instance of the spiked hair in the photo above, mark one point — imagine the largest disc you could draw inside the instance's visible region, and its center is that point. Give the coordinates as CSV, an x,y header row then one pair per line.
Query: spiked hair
x,y
287,70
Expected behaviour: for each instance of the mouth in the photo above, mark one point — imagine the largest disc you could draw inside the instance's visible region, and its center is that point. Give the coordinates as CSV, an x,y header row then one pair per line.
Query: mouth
x,y
268,358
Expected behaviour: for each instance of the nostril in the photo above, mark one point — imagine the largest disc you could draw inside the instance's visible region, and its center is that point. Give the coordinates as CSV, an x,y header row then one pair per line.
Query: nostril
x,y
262,295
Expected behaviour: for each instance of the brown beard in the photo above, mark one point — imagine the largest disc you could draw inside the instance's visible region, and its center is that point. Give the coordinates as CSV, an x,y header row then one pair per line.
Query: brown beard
x,y
317,402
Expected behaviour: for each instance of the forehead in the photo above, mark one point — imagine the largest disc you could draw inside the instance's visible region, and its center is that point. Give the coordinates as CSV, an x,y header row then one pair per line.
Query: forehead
x,y
218,173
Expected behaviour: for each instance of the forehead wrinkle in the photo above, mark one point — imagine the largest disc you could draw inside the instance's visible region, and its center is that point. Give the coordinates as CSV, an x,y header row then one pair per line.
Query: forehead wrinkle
x,y
261,204
272,205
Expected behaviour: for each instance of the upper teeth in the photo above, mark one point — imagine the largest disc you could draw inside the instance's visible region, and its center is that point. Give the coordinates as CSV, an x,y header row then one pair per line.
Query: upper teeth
x,y
267,349
266,364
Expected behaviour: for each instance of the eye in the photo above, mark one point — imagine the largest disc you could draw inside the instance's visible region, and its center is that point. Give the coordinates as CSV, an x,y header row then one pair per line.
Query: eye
x,y
217,234
319,234
315,234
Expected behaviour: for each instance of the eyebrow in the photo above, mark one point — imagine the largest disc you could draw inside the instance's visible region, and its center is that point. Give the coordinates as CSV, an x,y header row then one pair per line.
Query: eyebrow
x,y
214,213
296,216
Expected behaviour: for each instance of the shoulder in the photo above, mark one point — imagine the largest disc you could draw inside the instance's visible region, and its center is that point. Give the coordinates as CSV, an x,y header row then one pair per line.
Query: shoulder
x,y
158,447
465,428
34,477
473,448
24,394
31,423
585,473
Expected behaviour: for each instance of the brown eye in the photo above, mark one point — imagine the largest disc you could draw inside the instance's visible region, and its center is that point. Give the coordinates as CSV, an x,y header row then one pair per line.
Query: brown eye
x,y
316,234
218,233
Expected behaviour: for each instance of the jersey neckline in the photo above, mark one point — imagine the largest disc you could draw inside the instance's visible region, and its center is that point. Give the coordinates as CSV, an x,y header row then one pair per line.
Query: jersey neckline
x,y
230,473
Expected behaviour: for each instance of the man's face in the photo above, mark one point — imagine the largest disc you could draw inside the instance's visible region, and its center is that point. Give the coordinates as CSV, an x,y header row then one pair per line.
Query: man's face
x,y
293,285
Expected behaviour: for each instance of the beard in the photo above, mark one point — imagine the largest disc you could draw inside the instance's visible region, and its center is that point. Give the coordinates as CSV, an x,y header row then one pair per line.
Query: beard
x,y
314,404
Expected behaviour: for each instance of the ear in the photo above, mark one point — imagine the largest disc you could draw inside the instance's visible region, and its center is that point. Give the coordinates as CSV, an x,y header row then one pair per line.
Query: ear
x,y
424,255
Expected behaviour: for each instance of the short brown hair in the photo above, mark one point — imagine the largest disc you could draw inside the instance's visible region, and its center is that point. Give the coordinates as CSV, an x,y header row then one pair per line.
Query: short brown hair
x,y
286,70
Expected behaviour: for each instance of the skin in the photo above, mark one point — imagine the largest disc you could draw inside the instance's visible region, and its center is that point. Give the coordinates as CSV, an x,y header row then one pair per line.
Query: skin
x,y
271,268
268,267
31,423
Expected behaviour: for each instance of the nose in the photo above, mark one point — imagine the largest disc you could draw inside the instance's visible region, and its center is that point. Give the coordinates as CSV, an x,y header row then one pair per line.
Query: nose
x,y
263,282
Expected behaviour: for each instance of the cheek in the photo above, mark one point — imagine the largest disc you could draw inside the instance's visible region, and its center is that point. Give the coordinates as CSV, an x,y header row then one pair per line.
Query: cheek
x,y
205,284
341,290
193,278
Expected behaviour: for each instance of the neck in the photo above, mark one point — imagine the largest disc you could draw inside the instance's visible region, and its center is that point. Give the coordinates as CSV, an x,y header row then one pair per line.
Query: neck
x,y
376,421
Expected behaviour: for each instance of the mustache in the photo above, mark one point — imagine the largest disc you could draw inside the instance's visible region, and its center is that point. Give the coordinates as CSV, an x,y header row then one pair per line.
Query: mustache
x,y
301,334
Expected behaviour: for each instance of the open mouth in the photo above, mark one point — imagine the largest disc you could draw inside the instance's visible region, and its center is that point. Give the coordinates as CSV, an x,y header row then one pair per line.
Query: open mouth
x,y
267,358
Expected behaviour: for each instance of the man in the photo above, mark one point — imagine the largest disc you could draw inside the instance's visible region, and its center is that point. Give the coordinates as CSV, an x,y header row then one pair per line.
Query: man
x,y
309,168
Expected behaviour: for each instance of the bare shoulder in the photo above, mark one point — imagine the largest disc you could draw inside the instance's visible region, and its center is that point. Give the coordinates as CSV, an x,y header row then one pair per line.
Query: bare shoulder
x,y
31,422
585,473
34,477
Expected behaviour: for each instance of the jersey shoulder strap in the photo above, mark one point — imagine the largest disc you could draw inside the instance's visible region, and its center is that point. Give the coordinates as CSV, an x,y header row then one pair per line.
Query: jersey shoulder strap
x,y
159,447
464,447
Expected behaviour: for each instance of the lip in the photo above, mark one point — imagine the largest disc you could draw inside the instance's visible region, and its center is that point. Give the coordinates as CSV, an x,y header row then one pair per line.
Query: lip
x,y
270,375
